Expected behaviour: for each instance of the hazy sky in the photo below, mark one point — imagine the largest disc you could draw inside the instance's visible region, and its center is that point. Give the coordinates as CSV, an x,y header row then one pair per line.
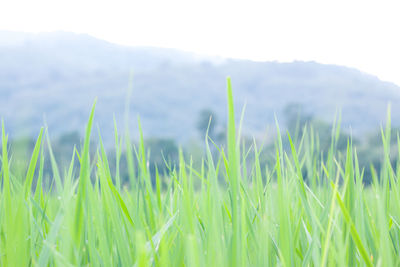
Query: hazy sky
x,y
364,34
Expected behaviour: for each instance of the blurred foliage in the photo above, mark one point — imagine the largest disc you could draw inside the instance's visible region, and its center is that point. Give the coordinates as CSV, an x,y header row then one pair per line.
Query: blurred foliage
x,y
207,120
163,153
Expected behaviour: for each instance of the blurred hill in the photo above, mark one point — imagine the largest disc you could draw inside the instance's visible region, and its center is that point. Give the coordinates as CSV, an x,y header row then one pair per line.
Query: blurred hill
x,y
55,77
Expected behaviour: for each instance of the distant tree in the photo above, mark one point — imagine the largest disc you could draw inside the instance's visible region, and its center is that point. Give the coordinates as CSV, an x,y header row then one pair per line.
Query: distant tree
x,y
296,118
69,139
63,148
207,120
163,151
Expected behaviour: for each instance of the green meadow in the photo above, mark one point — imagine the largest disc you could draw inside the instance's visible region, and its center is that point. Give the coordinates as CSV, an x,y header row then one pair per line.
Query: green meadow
x,y
303,208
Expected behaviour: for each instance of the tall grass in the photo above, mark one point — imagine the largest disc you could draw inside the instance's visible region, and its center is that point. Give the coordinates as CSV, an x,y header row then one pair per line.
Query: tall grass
x,y
304,209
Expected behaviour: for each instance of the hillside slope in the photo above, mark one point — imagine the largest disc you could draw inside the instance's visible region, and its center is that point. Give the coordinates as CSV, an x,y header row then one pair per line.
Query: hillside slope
x,y
55,77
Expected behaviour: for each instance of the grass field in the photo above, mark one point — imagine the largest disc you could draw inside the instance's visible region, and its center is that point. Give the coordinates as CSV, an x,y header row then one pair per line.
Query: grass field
x,y
303,210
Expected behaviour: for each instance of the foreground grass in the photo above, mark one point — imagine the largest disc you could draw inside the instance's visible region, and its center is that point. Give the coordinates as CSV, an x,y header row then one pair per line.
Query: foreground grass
x,y
304,209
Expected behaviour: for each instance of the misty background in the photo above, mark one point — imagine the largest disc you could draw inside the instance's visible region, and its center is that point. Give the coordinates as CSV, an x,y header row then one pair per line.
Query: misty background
x,y
52,79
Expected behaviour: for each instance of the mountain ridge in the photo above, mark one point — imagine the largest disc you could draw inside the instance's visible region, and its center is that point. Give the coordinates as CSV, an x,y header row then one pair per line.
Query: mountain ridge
x,y
57,77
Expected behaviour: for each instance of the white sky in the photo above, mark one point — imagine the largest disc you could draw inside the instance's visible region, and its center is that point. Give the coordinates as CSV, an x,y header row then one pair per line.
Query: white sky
x,y
363,34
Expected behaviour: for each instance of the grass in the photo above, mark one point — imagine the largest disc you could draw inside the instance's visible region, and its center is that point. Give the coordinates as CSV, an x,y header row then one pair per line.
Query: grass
x,y
303,210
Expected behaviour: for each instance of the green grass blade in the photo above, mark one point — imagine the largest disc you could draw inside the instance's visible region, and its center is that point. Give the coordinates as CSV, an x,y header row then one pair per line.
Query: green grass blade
x,y
32,165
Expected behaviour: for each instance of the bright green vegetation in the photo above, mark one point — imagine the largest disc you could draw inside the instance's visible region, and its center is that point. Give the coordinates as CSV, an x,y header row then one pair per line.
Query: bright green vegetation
x,y
304,209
